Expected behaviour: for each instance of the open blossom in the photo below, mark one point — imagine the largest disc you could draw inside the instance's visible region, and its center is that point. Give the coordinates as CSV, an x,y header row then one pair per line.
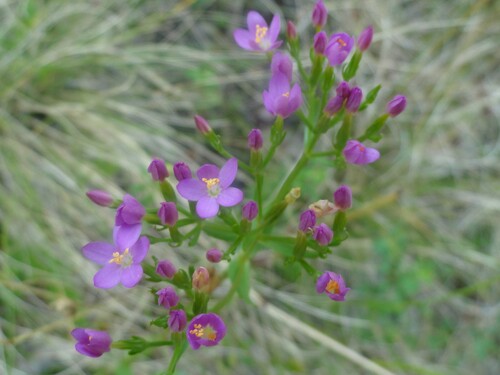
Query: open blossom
x,y
338,48
205,330
121,265
280,100
357,153
212,188
333,285
90,342
282,63
128,222
259,36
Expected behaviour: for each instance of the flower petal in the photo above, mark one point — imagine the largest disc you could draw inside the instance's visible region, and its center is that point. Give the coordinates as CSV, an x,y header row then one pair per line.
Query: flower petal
x,y
131,275
139,250
243,38
281,106
274,28
208,171
230,197
295,98
80,334
228,172
371,155
254,19
108,276
278,85
192,189
126,235
132,211
88,351
99,252
207,207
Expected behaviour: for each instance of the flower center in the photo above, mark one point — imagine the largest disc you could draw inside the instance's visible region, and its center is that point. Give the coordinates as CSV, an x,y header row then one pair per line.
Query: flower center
x,y
361,148
212,186
286,94
341,42
333,287
125,259
260,33
204,332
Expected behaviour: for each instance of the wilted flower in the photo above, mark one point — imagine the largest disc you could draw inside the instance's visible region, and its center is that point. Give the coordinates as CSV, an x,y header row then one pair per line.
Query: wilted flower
x,y
100,197
182,171
319,14
323,234
128,222
307,220
201,278
322,208
166,269
356,153
255,140
250,210
338,48
214,255
90,342
396,105
177,320
279,100
167,297
343,197
158,169
212,188
365,38
283,64
333,285
205,330
168,213
259,37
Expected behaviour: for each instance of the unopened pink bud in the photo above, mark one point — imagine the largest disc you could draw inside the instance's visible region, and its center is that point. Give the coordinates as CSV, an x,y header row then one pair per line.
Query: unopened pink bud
x,y
214,255
182,171
319,14
168,213
255,140
365,38
291,30
250,210
202,125
166,269
343,197
100,197
396,105
158,169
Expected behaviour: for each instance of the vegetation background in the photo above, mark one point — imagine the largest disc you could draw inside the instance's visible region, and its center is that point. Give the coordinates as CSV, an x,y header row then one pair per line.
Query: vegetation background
x,y
92,89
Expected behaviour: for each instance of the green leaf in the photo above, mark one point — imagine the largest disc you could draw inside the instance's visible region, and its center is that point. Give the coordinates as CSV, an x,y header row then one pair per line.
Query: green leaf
x,y
161,322
239,274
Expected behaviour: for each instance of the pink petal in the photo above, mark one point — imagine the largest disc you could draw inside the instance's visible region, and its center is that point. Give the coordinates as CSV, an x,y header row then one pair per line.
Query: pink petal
x,y
108,276
207,207
275,28
131,275
88,351
243,38
295,98
126,235
230,197
139,250
208,171
192,189
99,252
370,155
281,106
228,172
254,19
79,334
268,102
278,85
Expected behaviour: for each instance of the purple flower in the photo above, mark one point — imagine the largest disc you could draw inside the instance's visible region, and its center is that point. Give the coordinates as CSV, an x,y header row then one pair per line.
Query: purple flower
x,y
202,125
319,14
259,37
177,320
182,171
128,222
354,100
212,188
201,278
338,48
323,234
343,197
396,105
356,153
255,140
90,342
158,169
333,285
100,197
214,255
167,297
291,30
334,105
250,210
283,64
165,268
168,213
365,38
320,41
343,90
120,264
280,100
307,220
205,330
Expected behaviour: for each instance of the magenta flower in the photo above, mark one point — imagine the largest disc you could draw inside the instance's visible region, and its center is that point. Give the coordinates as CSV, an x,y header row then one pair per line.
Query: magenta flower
x,y
214,255
333,285
168,213
343,197
334,105
205,330
120,265
177,320
319,14
356,153
396,105
158,169
354,100
323,234
291,30
250,210
259,36
128,222
255,139
212,188
202,125
100,197
365,38
283,64
90,342
343,90
307,220
165,268
338,48
182,171
167,297
320,41
280,100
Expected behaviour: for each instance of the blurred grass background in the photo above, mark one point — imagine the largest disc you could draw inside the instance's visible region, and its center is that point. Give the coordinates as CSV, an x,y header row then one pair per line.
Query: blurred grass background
x,y
91,90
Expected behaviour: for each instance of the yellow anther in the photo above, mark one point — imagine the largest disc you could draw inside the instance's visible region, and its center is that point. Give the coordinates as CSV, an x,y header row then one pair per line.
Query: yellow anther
x,y
333,287
118,258
260,32
341,42
206,332
211,182
286,94
361,148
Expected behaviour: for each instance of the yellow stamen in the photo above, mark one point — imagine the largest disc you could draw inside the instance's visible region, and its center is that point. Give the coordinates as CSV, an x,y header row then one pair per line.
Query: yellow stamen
x,y
341,42
260,32
286,94
118,258
199,331
333,287
211,182
361,148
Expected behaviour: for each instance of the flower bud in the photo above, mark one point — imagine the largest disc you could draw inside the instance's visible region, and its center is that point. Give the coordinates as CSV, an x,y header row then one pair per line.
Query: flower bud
x,y
100,197
283,64
182,171
320,42
168,213
202,125
291,30
250,210
214,255
343,90
255,140
201,278
323,234
354,101
307,220
365,38
343,197
293,195
165,268
334,105
158,169
319,14
167,297
396,105
177,320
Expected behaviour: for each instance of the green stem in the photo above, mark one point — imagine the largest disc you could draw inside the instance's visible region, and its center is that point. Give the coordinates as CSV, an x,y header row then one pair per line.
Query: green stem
x,y
178,351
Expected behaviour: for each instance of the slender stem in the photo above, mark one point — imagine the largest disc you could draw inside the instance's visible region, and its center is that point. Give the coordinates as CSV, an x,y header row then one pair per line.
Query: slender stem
x,y
258,193
178,351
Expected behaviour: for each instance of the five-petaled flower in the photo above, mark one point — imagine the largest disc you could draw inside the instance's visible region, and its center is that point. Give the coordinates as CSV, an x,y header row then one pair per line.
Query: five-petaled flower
x,y
120,264
357,153
333,285
259,36
280,100
212,188
205,330
90,342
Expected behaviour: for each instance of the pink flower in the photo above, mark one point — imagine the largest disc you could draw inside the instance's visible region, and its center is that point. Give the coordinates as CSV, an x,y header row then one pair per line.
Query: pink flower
x,y
356,153
280,100
338,48
90,342
259,36
333,285
205,330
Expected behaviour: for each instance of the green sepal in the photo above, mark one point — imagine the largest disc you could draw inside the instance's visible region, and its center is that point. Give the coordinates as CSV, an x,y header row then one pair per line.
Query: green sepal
x,y
277,132
344,133
228,218
200,303
300,246
317,68
152,219
350,69
339,228
137,344
255,159
370,98
176,236
150,272
181,280
328,79
168,191
161,322
194,236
